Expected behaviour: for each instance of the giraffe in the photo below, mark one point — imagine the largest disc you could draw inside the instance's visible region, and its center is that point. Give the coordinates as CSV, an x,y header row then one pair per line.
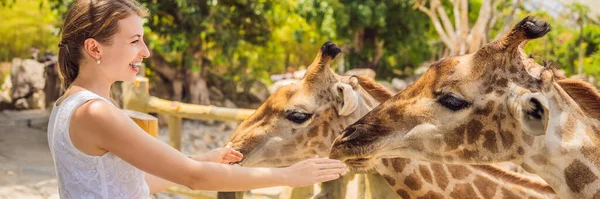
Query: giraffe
x,y
300,120
494,105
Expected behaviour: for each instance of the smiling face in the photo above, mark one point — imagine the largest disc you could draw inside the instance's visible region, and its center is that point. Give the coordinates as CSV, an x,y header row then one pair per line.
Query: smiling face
x,y
478,108
122,57
299,121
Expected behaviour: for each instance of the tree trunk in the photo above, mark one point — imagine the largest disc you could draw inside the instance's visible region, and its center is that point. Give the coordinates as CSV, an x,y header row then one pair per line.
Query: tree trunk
x,y
580,64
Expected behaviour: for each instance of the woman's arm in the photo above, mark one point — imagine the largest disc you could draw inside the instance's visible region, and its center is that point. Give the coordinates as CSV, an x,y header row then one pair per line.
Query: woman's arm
x,y
104,126
157,184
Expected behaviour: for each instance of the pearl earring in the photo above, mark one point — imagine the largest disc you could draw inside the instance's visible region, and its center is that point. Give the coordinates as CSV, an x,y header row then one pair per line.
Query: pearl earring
x,y
98,61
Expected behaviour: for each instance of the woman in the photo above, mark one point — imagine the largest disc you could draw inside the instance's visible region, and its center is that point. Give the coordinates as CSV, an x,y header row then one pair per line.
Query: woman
x,y
100,153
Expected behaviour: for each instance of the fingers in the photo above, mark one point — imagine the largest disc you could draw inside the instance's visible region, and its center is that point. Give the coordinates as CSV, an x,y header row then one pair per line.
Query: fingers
x,y
331,171
325,161
331,166
326,178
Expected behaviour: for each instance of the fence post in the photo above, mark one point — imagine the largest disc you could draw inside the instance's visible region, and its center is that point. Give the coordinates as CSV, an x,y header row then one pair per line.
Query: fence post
x,y
136,95
174,124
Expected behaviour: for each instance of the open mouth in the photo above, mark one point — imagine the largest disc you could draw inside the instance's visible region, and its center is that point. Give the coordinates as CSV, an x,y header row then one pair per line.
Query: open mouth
x,y
135,66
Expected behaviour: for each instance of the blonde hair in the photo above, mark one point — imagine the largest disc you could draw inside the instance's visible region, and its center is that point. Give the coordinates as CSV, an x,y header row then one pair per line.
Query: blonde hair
x,y
90,19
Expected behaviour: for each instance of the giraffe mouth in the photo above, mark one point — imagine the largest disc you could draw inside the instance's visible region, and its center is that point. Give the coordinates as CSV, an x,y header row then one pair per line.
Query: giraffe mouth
x,y
359,164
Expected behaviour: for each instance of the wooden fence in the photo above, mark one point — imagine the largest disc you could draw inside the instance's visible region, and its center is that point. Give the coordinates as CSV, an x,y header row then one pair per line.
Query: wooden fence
x,y
136,97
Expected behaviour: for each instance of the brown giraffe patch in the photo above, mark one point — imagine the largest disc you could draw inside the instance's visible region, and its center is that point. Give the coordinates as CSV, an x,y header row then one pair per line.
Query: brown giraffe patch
x,y
474,128
527,138
568,129
313,132
486,110
506,194
597,195
403,194
400,163
425,173
539,159
391,180
458,172
507,139
412,181
385,162
486,187
453,140
441,178
521,151
326,128
431,195
578,175
490,141
466,154
463,191
589,152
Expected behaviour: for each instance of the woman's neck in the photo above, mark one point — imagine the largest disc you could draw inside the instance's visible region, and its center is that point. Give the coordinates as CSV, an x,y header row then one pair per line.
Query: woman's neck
x,y
92,81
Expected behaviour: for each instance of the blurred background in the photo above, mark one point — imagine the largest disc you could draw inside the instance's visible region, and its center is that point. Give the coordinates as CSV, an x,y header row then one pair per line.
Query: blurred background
x,y
234,53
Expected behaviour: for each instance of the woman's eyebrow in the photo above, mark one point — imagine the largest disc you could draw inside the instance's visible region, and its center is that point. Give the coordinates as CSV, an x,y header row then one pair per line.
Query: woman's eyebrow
x,y
136,35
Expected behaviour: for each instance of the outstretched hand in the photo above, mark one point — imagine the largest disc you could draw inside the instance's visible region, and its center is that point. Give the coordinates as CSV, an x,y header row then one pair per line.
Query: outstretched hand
x,y
223,155
313,171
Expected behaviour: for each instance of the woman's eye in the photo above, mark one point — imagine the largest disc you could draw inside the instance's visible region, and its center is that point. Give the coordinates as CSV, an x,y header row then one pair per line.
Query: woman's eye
x,y
298,117
452,102
135,42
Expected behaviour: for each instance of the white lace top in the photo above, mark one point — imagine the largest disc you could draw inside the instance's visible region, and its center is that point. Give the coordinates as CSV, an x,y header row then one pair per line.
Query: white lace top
x,y
84,176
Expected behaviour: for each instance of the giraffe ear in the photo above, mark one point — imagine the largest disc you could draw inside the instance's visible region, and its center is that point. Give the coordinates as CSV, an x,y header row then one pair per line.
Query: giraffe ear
x,y
533,113
349,98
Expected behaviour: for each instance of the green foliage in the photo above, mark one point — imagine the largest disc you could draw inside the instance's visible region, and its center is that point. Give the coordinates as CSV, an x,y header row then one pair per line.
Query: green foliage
x,y
402,29
26,25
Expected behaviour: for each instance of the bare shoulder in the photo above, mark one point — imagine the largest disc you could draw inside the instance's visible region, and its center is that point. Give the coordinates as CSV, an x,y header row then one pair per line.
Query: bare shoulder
x,y
96,111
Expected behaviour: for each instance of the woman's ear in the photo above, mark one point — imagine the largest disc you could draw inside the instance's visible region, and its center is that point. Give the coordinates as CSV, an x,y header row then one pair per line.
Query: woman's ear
x,y
92,48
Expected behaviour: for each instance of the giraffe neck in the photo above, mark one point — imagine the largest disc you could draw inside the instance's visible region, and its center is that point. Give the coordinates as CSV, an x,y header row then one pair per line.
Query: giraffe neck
x,y
420,179
568,156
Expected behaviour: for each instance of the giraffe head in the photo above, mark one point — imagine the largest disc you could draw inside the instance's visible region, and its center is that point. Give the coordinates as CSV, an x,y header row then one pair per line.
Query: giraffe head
x,y
485,107
301,120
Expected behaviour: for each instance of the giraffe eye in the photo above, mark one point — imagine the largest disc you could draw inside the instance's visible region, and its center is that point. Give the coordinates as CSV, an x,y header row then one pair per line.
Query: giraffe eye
x,y
298,117
452,102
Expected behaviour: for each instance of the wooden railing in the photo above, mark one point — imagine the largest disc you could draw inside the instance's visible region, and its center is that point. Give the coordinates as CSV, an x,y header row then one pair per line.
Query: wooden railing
x,y
136,97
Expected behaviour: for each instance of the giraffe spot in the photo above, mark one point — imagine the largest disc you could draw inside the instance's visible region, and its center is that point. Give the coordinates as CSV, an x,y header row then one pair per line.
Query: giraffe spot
x,y
590,152
453,140
400,163
578,175
521,151
389,179
463,190
486,187
528,139
539,159
412,181
299,140
513,69
431,195
326,128
441,178
458,172
425,173
506,194
500,91
403,194
490,141
466,154
489,90
568,129
486,110
597,195
474,128
507,139
385,162
313,132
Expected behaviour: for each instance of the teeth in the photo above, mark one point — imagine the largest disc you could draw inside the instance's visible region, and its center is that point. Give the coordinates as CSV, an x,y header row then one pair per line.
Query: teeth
x,y
135,64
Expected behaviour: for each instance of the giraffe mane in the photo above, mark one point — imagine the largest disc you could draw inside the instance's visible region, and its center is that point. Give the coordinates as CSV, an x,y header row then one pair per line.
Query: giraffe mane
x,y
374,89
515,179
584,94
